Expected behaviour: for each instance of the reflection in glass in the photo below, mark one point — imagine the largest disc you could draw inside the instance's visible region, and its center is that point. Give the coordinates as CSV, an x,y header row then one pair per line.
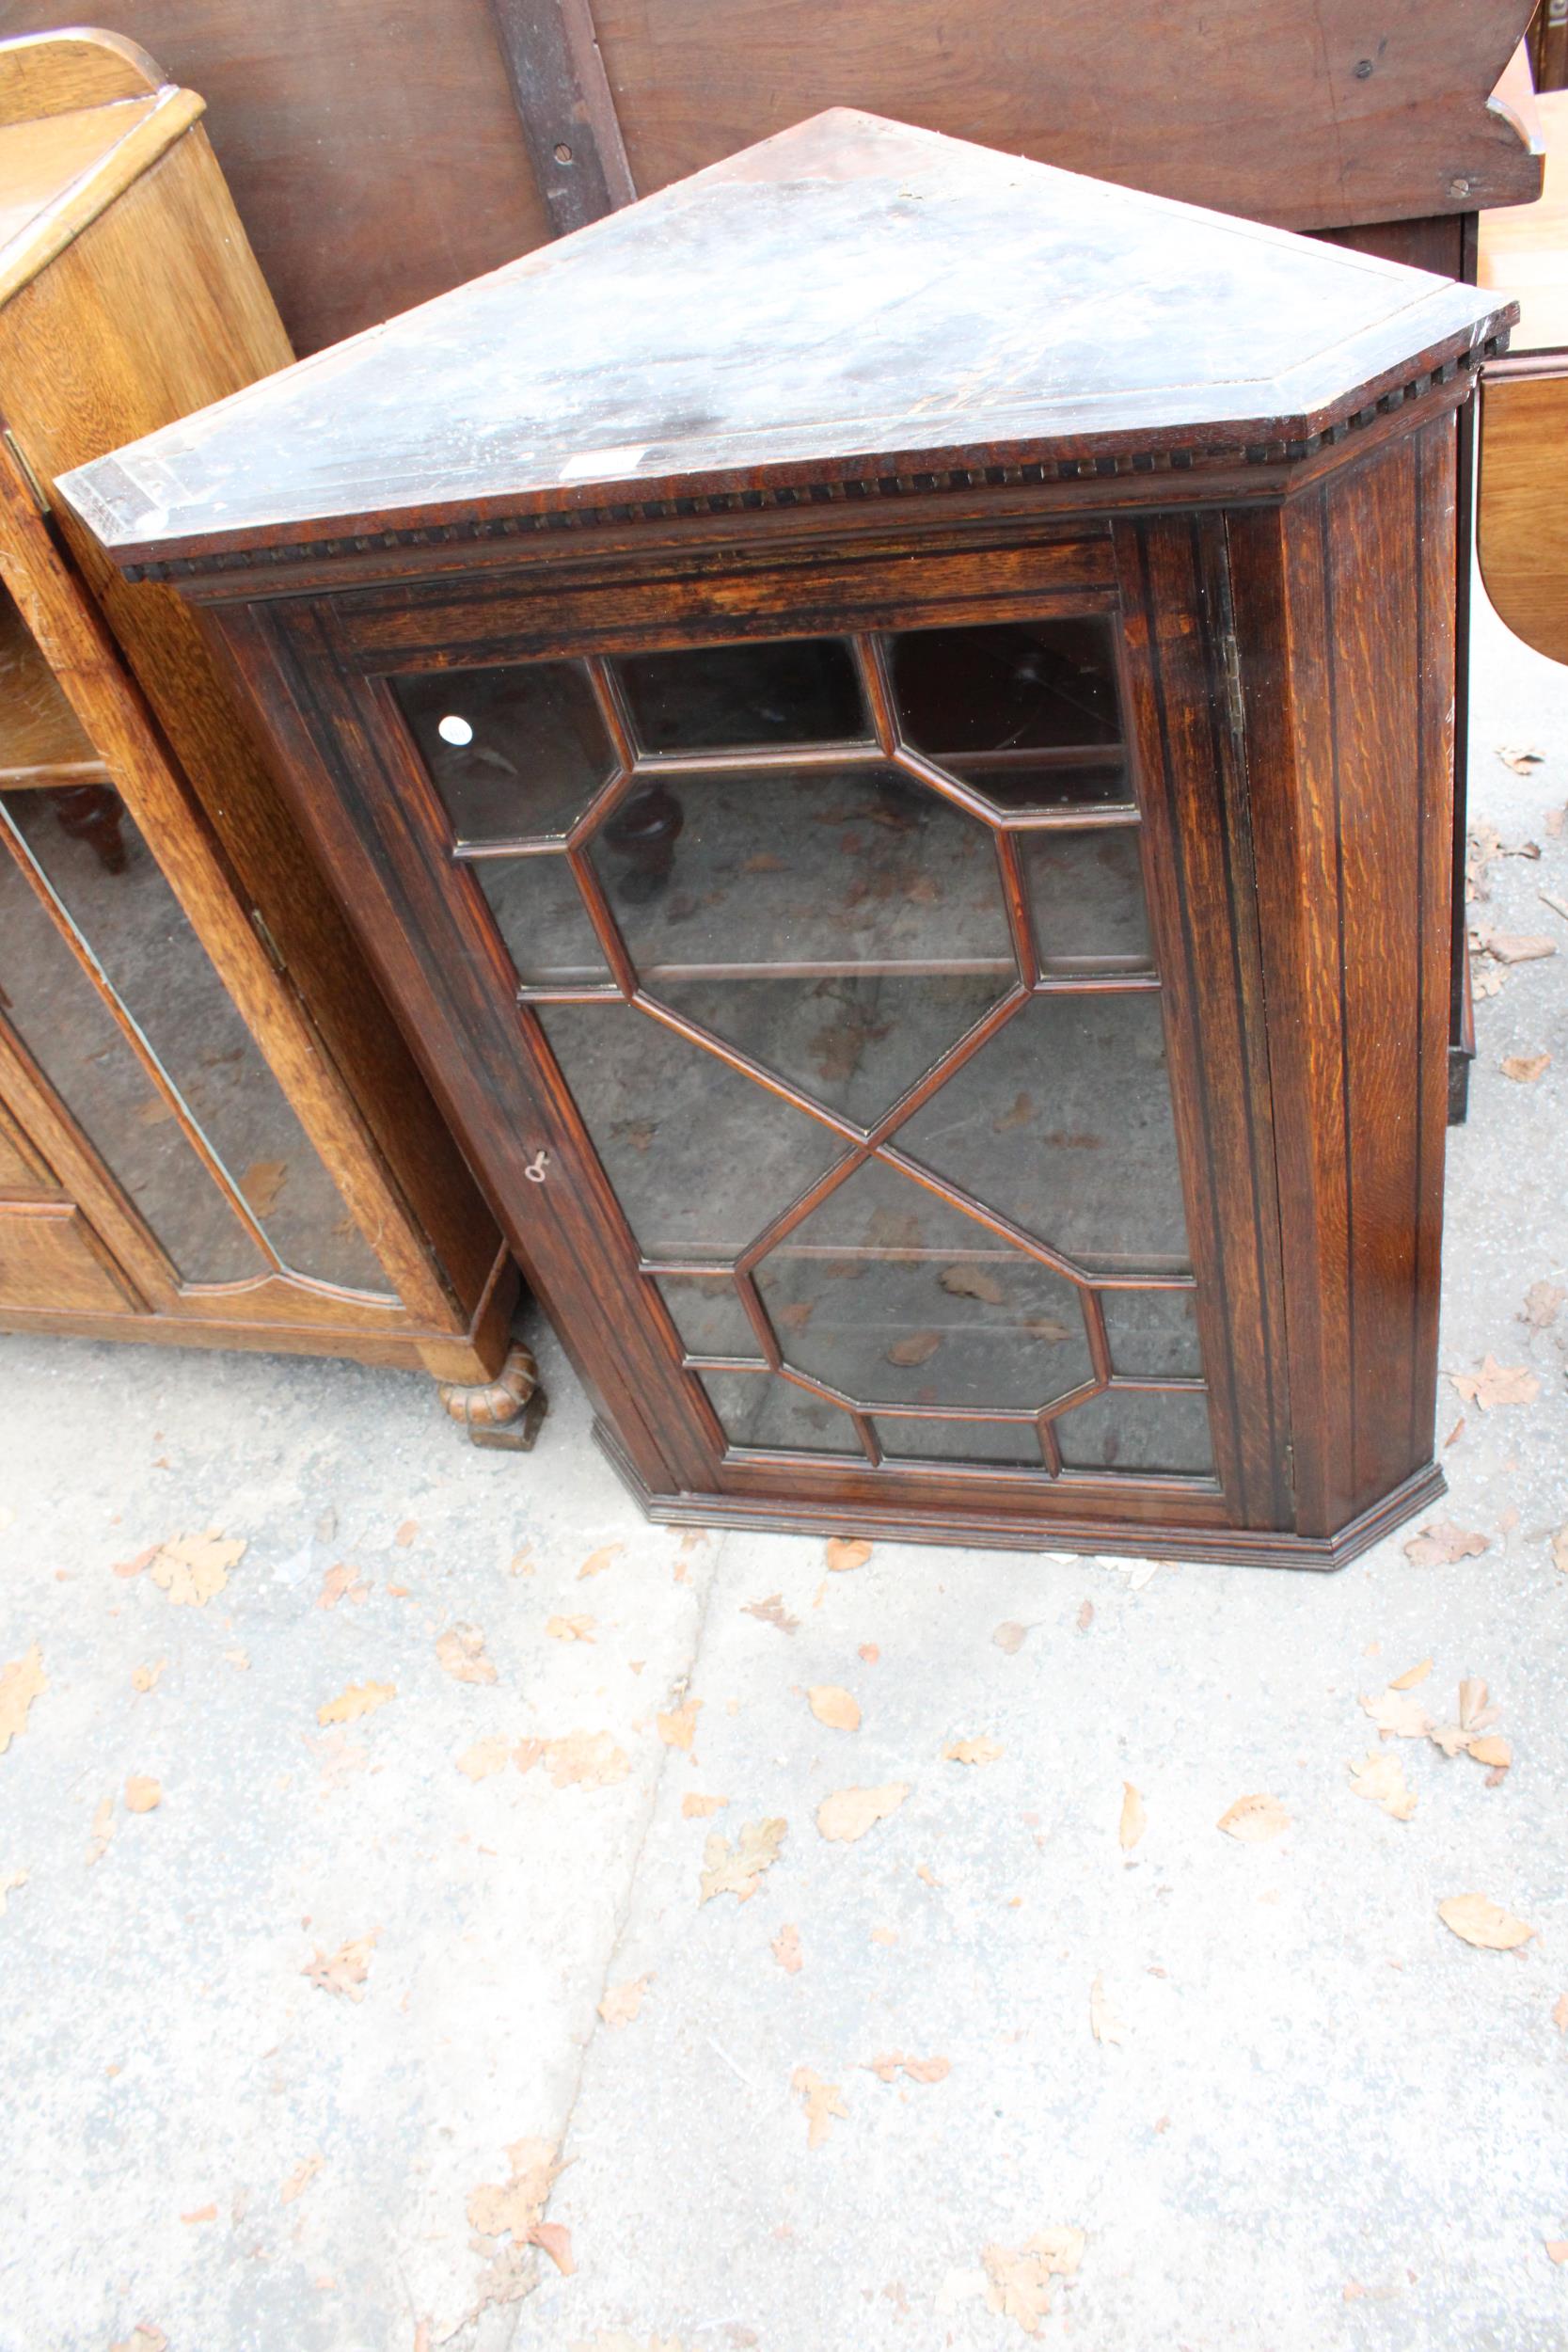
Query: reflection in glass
x,y
1153,1334
1005,1444
853,1042
723,697
1017,686
539,912
935,1312
706,1311
1128,1430
742,871
516,752
1062,1122
701,1158
114,893
1017,784
1086,893
760,1409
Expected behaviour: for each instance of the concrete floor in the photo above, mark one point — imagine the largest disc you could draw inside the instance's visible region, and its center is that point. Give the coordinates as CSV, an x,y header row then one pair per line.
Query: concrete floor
x,y
1330,2126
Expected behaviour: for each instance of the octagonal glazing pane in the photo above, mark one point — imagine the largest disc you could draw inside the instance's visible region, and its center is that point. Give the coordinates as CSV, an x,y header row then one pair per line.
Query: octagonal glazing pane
x,y
749,872
540,914
516,752
895,1298
760,1409
753,697
1087,897
1007,687
1062,1122
700,1157
1132,1431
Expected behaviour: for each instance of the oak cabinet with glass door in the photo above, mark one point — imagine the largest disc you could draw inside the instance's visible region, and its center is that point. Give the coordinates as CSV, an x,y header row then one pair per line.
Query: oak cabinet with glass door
x,y
904,815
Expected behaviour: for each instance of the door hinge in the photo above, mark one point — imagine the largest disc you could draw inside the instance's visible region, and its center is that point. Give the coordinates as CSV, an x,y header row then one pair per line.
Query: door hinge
x,y
39,496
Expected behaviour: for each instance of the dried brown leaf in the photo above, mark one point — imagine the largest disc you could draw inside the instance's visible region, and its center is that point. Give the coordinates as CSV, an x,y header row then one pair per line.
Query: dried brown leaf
x,y
846,1552
360,1698
1560,1550
1520,757
598,1560
343,1971
1254,1820
145,1678
1441,1542
848,1813
623,2001
1560,2013
1556,2248
341,1582
821,2100
571,1628
1475,1716
771,1612
142,1795
587,1760
678,1727
1380,1778
1525,1069
460,1652
1018,2279
262,1183
1518,947
513,2207
1492,1751
23,1682
1542,1302
915,1347
299,2179
1010,1637
695,1807
785,1949
1494,1384
1134,1820
972,1282
893,2062
1411,1676
192,1569
1483,1923
406,1531
833,1706
981,1750
102,1831
8,1885
1104,2023
1397,1715
737,1869
484,1759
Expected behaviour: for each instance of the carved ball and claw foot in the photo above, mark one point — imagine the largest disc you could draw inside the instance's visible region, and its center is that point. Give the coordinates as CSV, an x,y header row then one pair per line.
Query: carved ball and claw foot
x,y
506,1411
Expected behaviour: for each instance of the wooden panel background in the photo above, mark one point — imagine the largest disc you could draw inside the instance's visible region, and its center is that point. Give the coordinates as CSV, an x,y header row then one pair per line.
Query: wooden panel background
x,y
377,157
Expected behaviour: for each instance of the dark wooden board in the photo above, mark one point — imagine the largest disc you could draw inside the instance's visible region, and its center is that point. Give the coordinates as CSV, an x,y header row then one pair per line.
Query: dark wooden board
x,y
377,159
847,298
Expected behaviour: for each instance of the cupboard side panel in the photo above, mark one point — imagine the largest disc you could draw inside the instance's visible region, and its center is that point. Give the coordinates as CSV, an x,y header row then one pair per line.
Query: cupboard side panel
x,y
1346,665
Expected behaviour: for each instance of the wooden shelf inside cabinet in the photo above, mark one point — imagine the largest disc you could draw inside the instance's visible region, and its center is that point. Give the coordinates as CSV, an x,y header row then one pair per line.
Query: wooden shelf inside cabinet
x,y
899,767
223,1139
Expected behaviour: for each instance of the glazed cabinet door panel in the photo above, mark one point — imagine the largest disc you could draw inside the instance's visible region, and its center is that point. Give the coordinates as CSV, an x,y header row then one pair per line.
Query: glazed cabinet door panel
x,y
848,1023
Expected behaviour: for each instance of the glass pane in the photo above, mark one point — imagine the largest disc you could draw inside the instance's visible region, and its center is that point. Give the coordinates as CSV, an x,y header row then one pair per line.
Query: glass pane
x,y
1008,1444
853,1043
116,896
1086,890
1153,1334
539,910
821,872
1062,1122
1021,784
701,1158
65,1025
719,698
515,753
706,1311
937,1313
1123,1429
1019,686
760,1409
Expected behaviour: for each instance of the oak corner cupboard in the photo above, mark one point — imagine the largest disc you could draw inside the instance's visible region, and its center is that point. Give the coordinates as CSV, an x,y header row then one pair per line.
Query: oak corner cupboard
x,y
882,716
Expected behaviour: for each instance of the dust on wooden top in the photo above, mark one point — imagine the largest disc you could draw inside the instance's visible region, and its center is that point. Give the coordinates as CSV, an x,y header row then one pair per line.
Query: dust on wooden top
x,y
852,297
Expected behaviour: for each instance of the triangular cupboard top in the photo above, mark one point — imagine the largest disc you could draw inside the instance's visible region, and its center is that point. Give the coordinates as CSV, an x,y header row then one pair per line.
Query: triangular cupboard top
x,y
852,298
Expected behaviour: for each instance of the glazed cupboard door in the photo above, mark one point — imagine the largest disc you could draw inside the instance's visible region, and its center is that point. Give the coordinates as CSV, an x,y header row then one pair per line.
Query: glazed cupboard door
x,y
854,979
